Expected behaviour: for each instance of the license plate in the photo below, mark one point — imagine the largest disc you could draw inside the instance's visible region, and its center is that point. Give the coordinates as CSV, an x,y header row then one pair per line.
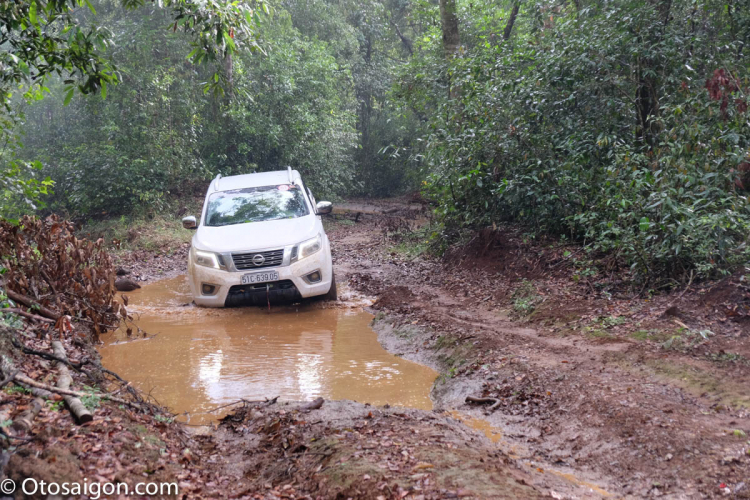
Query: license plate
x,y
265,276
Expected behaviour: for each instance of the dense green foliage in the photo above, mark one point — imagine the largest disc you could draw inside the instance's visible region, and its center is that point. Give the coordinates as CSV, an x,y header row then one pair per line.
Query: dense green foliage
x,y
293,107
623,124
63,42
619,123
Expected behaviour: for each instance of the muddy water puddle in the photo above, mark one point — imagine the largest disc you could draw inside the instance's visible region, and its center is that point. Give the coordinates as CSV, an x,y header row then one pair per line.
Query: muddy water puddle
x,y
203,358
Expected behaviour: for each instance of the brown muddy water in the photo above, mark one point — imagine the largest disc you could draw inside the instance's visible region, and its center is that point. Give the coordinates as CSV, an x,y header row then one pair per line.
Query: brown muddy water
x,y
202,358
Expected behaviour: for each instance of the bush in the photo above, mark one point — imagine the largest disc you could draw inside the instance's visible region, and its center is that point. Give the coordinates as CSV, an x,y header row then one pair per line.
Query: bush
x,y
549,131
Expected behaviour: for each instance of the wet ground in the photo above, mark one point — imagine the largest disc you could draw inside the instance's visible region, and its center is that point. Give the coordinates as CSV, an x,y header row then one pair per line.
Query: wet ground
x,y
197,359
590,386
592,402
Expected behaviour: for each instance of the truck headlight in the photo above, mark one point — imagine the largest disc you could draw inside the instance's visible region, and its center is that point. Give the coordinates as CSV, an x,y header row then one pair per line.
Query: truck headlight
x,y
307,248
209,259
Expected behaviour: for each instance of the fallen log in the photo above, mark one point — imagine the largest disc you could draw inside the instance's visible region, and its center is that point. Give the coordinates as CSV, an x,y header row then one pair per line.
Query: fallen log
x,y
64,381
495,402
25,421
22,299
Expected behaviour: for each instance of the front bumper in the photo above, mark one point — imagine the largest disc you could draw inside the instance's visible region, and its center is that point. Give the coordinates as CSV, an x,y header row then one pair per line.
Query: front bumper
x,y
226,281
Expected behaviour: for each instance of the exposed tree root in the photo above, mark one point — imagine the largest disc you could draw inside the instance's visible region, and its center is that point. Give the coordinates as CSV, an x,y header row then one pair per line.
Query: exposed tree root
x,y
7,367
22,299
21,312
8,379
25,421
495,402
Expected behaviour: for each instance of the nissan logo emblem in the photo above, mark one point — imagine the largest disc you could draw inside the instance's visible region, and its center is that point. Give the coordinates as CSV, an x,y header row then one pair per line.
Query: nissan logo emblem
x,y
258,259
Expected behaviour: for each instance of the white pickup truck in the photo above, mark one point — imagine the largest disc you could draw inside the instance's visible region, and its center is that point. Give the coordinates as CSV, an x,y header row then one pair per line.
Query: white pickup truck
x,y
259,239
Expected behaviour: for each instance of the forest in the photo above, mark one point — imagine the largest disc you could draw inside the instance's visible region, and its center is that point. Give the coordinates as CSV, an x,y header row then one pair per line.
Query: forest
x,y
532,282
618,124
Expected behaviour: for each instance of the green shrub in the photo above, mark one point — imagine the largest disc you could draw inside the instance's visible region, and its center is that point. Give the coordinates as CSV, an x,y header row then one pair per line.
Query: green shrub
x,y
545,130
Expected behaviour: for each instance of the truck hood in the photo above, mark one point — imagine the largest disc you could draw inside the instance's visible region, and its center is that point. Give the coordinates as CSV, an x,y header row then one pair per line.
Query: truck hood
x,y
252,236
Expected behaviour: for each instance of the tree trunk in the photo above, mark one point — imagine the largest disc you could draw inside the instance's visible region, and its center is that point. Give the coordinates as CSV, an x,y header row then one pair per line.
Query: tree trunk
x,y
663,7
647,95
647,107
365,108
449,22
407,43
64,380
229,72
511,20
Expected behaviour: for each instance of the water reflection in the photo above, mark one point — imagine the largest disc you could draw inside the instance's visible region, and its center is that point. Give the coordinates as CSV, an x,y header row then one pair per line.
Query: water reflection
x,y
201,358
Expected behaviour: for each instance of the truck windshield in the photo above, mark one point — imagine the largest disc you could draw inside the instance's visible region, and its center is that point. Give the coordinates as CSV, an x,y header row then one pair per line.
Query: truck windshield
x,y
256,204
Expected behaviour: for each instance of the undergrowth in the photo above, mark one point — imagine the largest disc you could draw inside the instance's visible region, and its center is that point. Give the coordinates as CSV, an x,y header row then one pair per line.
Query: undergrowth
x,y
413,243
144,231
525,298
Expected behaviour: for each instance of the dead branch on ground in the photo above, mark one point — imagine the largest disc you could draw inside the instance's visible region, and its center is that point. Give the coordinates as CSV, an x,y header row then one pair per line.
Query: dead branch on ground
x,y
20,378
64,381
22,299
25,314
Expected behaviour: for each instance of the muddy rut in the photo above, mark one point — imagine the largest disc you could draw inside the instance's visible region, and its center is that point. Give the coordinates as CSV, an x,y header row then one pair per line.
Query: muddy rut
x,y
613,416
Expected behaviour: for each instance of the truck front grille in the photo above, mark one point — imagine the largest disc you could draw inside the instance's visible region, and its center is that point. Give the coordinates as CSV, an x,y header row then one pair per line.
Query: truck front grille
x,y
257,260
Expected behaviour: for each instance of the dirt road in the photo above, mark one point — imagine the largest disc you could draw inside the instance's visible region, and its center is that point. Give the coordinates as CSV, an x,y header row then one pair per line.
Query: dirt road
x,y
623,396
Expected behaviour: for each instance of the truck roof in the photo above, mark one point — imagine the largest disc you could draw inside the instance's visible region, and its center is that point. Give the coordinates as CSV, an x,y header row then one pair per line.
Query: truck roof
x,y
253,180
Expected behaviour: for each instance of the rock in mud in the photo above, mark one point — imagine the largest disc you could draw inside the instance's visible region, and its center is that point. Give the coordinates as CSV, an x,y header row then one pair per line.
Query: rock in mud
x,y
126,285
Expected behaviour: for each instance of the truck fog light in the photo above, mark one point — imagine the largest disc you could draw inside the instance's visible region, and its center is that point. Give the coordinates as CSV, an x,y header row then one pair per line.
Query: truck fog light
x,y
207,289
313,277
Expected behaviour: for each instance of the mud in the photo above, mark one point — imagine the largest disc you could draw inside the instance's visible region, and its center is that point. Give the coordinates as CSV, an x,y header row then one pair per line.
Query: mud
x,y
586,394
349,450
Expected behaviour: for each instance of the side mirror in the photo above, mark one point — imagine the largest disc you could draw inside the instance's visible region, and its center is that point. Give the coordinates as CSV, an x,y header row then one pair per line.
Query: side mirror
x,y
189,222
324,207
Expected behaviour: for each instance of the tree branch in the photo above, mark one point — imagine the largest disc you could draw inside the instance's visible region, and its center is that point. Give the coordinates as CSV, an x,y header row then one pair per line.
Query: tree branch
x,y
511,20
25,314
22,299
404,40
